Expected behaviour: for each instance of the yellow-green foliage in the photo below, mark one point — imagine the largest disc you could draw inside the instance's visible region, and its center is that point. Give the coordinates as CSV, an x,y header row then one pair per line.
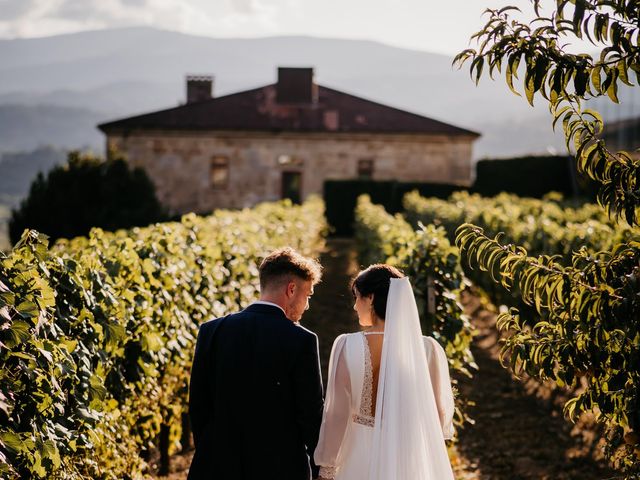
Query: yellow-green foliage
x,y
592,307
97,333
572,274
542,226
581,329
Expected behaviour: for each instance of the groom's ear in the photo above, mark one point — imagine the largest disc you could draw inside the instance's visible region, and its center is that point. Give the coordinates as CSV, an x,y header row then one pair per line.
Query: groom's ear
x,y
291,288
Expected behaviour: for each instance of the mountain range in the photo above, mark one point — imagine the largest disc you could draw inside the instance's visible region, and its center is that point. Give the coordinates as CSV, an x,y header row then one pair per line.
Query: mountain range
x,y
54,90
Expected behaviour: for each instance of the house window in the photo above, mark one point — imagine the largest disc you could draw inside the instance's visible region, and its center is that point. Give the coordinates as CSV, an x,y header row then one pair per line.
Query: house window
x,y
286,160
365,169
219,173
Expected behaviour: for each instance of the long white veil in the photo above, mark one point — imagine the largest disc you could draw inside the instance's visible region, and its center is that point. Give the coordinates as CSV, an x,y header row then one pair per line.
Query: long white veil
x,y
408,443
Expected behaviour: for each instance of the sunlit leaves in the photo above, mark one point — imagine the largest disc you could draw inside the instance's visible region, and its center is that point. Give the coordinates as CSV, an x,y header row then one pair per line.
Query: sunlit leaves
x,y
585,324
96,335
577,321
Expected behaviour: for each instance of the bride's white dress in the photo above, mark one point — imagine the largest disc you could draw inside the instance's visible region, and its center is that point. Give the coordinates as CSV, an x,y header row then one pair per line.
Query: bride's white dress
x,y
355,443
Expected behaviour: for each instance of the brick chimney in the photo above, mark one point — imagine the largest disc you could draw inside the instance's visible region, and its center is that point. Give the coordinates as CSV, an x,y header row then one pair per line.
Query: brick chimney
x,y
199,88
296,85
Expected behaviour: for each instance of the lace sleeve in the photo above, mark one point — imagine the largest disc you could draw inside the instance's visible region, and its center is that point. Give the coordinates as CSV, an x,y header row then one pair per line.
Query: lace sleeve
x,y
328,472
441,383
337,410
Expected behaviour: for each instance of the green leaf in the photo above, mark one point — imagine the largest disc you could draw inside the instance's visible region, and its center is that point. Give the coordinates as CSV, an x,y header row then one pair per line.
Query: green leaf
x,y
28,309
12,442
541,67
97,391
529,89
578,15
623,74
18,332
595,78
88,414
114,333
37,468
478,64
152,341
580,81
612,90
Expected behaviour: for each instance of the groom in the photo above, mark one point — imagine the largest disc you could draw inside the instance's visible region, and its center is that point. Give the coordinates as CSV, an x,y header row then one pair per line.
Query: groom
x,y
255,398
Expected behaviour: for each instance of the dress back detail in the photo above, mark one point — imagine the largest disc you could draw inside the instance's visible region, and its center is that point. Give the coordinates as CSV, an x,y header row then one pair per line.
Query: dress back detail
x,y
366,415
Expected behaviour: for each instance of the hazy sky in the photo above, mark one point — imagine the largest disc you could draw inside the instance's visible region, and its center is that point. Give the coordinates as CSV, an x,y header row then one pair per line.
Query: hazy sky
x,y
441,26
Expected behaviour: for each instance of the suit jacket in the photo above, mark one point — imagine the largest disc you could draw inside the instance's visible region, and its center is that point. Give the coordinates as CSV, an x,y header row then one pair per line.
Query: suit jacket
x,y
255,398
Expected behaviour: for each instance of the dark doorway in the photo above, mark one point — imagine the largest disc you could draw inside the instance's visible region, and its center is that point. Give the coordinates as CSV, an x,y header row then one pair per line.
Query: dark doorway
x,y
292,186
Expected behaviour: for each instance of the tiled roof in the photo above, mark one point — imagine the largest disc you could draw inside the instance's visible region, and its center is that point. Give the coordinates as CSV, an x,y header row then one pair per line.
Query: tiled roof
x,y
258,110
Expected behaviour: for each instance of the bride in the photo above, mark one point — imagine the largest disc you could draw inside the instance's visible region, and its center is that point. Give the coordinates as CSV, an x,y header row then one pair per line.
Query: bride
x,y
389,404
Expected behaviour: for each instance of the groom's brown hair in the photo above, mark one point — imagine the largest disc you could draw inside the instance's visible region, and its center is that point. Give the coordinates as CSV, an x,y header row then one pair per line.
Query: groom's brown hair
x,y
282,263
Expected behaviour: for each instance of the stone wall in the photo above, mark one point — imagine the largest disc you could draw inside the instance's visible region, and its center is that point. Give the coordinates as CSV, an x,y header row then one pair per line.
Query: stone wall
x,y
180,163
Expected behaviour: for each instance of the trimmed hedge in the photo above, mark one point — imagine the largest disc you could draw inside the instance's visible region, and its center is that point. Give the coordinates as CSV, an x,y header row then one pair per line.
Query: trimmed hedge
x,y
340,197
532,177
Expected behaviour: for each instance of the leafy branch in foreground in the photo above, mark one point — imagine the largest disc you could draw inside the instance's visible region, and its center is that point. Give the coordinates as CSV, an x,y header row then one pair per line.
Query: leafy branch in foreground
x,y
563,79
590,333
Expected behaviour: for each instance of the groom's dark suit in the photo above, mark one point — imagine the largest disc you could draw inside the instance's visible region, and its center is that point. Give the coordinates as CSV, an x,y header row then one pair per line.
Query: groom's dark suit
x,y
255,398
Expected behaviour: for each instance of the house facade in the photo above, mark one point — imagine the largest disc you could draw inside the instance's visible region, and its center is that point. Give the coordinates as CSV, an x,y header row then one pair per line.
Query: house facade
x,y
283,141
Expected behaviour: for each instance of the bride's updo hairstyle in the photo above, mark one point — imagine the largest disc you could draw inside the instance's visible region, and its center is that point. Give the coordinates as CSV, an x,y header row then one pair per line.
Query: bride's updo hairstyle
x,y
375,280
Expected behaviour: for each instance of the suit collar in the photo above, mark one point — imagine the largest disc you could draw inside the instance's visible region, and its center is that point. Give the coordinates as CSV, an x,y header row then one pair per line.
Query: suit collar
x,y
265,309
262,302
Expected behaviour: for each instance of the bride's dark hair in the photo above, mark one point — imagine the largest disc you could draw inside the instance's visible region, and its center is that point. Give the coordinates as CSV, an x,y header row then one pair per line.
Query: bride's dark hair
x,y
375,280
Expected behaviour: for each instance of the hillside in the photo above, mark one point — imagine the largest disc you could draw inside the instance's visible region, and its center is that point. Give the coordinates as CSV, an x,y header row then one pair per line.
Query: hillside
x,y
107,74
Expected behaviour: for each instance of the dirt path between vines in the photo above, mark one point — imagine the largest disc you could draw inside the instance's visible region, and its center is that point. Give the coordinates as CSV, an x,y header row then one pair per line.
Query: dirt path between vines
x,y
516,436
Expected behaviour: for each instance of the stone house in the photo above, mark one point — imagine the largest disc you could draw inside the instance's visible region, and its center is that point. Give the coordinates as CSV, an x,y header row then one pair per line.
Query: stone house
x,y
283,141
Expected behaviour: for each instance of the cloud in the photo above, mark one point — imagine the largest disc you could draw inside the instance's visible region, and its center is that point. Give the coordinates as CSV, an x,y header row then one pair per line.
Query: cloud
x,y
115,13
27,18
12,9
245,7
